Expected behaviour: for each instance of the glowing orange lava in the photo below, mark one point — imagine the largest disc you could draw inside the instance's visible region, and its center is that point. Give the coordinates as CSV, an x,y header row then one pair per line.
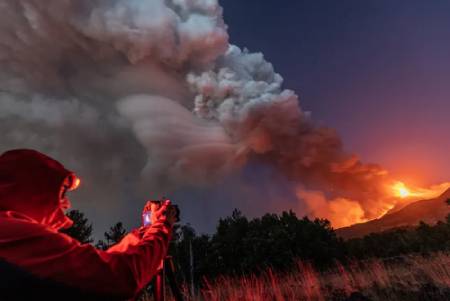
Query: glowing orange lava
x,y
400,190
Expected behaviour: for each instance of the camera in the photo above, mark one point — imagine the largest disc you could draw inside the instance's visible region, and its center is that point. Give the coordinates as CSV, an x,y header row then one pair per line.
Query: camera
x,y
153,205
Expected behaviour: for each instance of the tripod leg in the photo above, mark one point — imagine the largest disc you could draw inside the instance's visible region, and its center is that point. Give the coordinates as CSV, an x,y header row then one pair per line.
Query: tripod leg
x,y
158,287
170,273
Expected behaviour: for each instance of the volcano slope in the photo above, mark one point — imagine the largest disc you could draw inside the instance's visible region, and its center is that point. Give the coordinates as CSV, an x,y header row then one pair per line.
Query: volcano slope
x,y
428,211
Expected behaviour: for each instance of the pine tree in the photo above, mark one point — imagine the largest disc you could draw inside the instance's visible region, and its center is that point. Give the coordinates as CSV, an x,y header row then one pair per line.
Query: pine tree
x,y
112,237
81,229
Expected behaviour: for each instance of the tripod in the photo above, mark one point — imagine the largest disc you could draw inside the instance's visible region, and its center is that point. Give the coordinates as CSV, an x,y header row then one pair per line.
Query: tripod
x,y
167,269
159,282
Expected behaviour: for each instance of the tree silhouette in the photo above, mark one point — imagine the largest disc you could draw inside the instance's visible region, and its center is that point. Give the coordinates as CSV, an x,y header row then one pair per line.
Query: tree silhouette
x,y
81,229
423,239
241,245
113,236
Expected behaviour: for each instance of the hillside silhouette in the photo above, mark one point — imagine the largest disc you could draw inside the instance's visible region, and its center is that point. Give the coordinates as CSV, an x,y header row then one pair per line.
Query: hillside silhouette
x,y
428,211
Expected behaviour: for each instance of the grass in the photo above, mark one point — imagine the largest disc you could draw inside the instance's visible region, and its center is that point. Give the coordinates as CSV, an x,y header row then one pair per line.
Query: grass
x,y
406,278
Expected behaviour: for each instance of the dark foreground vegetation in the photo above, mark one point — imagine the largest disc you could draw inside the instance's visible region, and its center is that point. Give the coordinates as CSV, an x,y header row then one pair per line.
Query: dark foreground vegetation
x,y
408,278
274,250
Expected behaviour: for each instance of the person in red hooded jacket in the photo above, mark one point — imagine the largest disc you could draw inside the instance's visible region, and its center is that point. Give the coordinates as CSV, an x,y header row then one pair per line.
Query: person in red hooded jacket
x,y
38,262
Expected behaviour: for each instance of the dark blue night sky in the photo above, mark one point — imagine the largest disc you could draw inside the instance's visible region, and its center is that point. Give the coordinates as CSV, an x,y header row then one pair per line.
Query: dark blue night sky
x,y
377,71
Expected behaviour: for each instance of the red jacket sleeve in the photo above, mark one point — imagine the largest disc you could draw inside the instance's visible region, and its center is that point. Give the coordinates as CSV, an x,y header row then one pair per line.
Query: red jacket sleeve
x,y
56,256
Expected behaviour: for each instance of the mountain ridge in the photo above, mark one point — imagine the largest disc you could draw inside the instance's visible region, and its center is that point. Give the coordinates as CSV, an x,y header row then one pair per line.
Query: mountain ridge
x,y
429,211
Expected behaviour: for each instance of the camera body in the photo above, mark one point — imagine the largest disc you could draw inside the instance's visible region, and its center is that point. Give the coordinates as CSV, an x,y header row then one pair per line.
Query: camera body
x,y
153,205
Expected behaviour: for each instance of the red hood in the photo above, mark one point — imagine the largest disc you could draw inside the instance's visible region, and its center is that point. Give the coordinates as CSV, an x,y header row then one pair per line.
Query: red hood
x,y
30,184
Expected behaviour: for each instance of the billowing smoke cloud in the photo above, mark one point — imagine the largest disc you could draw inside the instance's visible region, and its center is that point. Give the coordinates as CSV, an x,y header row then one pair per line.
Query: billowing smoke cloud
x,y
151,91
77,76
244,94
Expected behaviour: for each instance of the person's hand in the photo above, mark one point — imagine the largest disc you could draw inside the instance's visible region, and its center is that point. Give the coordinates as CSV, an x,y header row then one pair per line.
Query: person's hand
x,y
171,214
165,212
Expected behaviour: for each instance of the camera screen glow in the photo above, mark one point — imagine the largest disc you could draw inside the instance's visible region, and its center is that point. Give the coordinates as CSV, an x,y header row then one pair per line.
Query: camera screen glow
x,y
147,219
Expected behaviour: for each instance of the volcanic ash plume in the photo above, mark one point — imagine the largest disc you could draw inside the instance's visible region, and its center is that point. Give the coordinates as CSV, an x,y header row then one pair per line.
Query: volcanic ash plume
x,y
244,94
83,79
152,87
